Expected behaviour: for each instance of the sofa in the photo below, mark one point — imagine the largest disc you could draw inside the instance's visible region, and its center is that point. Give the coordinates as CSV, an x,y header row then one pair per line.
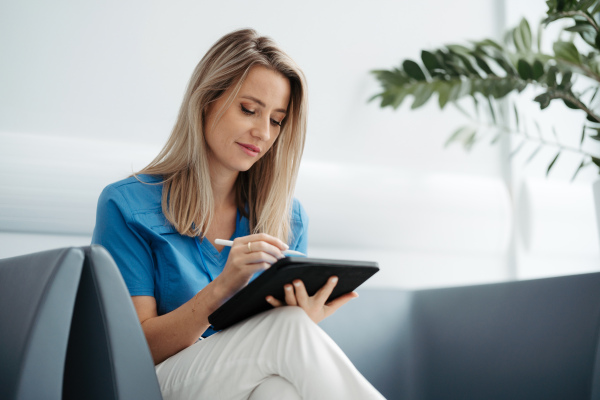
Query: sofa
x,y
69,331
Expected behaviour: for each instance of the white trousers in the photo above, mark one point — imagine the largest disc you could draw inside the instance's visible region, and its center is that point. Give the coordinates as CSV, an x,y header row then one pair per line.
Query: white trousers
x,y
279,354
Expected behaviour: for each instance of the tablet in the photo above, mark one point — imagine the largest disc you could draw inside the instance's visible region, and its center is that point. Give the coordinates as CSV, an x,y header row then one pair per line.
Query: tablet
x,y
312,271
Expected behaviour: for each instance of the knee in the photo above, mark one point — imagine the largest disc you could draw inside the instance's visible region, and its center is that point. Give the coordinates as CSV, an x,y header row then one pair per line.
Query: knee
x,y
291,316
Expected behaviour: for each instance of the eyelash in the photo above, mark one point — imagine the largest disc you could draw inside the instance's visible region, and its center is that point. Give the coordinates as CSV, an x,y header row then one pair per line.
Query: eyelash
x,y
248,112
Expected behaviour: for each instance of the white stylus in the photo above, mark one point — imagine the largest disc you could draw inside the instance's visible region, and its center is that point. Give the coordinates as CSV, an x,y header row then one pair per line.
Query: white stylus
x,y
229,243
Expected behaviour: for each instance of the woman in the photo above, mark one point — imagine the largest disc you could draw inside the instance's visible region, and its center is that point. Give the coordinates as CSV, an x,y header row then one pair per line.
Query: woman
x,y
228,170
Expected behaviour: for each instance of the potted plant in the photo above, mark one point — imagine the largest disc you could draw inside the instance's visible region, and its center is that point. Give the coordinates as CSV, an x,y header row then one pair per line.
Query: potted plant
x,y
487,72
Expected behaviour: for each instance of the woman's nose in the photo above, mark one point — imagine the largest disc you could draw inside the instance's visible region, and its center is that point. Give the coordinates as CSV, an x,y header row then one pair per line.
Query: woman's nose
x,y
262,129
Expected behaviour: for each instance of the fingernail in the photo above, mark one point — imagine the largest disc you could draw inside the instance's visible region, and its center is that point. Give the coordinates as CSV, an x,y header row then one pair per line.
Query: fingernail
x,y
268,298
334,279
297,283
288,287
286,246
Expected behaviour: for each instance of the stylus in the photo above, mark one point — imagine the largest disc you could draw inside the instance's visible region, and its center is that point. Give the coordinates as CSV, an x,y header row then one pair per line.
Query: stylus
x,y
229,243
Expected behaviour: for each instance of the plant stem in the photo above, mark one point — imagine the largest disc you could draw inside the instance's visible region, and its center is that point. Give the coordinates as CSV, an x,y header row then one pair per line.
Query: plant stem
x,y
581,14
578,103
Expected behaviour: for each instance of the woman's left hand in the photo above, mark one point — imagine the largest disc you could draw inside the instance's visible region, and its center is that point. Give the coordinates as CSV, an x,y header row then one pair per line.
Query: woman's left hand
x,y
314,306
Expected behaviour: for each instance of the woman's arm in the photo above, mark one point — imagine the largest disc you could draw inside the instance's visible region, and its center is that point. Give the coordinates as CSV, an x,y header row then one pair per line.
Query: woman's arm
x,y
172,332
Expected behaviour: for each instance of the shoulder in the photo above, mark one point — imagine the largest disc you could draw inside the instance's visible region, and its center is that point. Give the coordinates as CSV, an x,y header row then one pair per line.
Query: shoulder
x,y
298,212
135,193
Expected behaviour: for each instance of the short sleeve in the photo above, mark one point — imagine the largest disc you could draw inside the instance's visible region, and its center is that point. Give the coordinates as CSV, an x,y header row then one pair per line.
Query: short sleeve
x,y
115,231
299,237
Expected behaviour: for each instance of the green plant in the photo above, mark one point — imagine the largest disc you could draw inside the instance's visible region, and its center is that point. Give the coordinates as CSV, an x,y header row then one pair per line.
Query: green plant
x,y
487,72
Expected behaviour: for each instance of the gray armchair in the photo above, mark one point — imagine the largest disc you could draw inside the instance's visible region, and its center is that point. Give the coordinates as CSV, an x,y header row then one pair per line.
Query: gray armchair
x,y
68,330
536,339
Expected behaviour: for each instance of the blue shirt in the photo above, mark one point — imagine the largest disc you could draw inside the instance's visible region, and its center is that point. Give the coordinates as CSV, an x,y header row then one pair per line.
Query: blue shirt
x,y
154,259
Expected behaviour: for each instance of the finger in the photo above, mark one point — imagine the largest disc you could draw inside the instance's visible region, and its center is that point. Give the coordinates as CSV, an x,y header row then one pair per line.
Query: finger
x,y
273,301
333,305
323,294
259,257
257,237
290,296
267,248
301,294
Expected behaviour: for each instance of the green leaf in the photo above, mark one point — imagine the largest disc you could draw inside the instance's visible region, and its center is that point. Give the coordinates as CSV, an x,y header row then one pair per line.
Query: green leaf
x,y
516,116
483,65
567,51
565,83
570,104
578,169
523,32
552,163
543,99
459,49
585,30
524,69
413,70
538,69
492,112
443,93
487,43
596,161
582,136
591,118
430,61
464,134
422,93
551,76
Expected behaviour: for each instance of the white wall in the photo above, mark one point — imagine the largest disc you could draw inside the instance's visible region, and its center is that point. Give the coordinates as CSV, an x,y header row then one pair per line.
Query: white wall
x,y
89,92
556,230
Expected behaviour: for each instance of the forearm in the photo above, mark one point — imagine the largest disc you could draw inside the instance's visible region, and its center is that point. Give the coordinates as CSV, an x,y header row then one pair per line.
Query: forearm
x,y
170,333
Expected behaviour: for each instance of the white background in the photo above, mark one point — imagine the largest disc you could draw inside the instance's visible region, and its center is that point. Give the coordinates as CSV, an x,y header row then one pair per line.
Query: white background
x,y
90,90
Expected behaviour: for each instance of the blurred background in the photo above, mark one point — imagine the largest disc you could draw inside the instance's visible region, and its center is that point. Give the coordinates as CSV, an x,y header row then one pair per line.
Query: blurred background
x,y
89,92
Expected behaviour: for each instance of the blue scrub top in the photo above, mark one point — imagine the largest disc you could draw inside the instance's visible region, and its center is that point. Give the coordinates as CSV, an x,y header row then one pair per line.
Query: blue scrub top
x,y
154,259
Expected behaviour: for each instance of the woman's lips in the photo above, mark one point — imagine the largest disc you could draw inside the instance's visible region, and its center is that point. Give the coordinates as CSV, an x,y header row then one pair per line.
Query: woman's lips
x,y
250,149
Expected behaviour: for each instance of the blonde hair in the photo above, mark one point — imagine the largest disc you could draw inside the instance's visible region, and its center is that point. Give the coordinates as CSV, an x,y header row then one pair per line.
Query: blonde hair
x,y
267,187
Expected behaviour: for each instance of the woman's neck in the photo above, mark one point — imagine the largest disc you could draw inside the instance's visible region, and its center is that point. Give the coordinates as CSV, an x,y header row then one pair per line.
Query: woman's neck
x,y
223,186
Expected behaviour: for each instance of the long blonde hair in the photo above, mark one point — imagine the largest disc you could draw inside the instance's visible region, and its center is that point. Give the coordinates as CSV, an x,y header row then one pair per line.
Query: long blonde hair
x,y
267,187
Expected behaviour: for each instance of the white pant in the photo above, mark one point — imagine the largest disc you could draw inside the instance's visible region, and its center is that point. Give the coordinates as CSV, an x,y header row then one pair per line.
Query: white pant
x,y
279,354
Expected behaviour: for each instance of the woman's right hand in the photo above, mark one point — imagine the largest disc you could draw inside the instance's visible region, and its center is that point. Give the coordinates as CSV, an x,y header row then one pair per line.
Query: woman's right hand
x,y
249,255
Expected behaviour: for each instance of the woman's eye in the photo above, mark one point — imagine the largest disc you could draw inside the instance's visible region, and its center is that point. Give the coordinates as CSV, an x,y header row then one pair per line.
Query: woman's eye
x,y
278,123
246,111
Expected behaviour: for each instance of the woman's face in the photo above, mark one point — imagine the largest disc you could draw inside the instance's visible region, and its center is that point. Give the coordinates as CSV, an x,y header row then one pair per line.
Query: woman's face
x,y
249,127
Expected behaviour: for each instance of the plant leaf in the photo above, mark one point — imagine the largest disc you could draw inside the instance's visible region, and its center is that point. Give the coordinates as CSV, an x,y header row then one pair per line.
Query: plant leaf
x,y
443,93
552,163
422,93
492,112
464,134
583,164
516,116
525,33
413,70
567,51
430,61
524,69
487,43
543,99
538,69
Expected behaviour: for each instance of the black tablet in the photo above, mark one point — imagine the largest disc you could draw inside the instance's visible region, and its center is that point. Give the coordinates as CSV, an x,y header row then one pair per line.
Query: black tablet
x,y
312,271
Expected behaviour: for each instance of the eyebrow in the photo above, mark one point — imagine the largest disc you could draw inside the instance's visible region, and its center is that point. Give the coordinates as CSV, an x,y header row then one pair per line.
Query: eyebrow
x,y
260,103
